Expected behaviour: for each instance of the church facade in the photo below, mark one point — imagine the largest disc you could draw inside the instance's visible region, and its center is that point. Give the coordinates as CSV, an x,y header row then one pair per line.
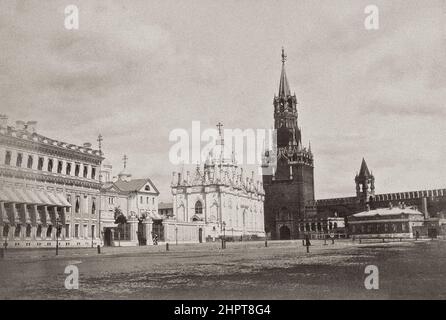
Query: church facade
x,y
216,201
291,210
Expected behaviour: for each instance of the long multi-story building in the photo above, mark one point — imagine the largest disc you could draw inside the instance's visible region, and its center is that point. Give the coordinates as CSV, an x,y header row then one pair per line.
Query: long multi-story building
x,y
49,189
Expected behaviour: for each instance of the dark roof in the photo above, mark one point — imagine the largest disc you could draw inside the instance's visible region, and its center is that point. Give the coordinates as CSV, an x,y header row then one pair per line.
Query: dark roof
x,y
165,205
134,185
364,171
284,87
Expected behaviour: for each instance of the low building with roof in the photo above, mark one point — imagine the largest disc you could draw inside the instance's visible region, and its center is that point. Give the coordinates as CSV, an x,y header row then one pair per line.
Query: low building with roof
x,y
391,222
137,201
165,209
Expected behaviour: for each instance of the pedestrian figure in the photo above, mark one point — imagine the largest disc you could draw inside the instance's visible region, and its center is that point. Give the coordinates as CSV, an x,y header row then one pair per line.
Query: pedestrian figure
x,y
307,242
417,234
155,239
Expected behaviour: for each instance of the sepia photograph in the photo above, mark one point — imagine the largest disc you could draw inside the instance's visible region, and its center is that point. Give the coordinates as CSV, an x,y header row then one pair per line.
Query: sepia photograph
x,y
222,155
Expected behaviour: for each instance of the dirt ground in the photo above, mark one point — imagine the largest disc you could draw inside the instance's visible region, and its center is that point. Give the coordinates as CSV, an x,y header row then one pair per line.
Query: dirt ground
x,y
283,270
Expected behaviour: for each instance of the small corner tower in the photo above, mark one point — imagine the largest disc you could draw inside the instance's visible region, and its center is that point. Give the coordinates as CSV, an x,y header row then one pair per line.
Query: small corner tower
x,y
365,184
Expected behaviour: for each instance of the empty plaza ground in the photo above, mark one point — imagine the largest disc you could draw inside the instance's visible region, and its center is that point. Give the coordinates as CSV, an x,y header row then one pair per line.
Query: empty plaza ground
x,y
283,270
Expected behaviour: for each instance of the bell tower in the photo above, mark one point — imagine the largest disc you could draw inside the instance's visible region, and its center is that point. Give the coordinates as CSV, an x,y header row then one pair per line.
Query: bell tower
x,y
285,112
288,181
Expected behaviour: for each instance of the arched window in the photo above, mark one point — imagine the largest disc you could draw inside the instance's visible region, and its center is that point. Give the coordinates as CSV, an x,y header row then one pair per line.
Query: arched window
x,y
85,171
50,165
49,231
77,205
69,201
39,231
198,208
5,231
28,230
93,206
59,166
40,164
30,162
18,228
8,158
19,160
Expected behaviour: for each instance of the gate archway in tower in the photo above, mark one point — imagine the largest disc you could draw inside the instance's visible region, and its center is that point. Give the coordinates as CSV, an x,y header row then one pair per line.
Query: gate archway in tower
x,y
284,233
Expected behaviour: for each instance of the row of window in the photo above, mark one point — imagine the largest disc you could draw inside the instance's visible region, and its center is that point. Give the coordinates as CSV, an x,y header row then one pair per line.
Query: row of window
x,y
141,200
49,231
50,165
77,203
112,200
380,228
317,226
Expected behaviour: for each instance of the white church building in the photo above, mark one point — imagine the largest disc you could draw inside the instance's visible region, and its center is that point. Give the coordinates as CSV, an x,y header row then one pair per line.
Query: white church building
x,y
216,200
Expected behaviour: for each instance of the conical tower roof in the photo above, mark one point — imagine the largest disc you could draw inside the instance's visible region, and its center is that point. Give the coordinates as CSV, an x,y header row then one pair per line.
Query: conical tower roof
x,y
364,171
284,87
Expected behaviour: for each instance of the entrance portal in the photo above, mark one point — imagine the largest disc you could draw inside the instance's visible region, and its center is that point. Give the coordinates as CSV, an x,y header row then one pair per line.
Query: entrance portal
x,y
285,233
200,235
142,237
108,240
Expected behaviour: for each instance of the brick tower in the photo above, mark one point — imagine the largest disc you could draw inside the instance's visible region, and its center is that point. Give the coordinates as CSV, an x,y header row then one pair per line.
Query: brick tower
x,y
289,184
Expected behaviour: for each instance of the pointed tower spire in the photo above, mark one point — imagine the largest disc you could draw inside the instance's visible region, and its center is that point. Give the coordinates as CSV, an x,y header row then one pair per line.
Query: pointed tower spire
x,y
100,139
284,87
364,171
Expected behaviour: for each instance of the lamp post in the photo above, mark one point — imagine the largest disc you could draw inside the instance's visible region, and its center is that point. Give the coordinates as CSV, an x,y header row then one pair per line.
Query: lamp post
x,y
6,241
57,236
224,235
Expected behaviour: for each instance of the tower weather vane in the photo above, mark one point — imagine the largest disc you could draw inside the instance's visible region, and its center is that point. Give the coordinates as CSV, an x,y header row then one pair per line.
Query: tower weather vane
x,y
100,139
219,125
125,161
283,56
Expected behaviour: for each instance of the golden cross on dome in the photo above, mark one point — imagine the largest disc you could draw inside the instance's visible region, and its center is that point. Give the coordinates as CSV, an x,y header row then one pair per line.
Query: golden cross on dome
x,y
219,125
100,143
125,161
283,56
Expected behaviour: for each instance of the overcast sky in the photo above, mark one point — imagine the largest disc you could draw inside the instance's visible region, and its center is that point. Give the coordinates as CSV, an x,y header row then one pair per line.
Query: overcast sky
x,y
135,70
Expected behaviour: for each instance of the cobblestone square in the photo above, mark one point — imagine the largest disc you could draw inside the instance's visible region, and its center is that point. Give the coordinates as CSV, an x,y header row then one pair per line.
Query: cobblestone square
x,y
248,270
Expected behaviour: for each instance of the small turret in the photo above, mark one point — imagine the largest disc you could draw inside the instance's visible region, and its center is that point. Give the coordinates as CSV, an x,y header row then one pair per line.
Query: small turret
x,y
365,184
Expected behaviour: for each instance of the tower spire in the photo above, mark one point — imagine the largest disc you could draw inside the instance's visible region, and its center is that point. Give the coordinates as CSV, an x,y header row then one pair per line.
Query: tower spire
x,y
284,87
364,171
125,161
100,139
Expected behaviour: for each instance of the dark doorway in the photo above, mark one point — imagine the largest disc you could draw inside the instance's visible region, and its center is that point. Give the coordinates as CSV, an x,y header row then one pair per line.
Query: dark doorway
x,y
432,233
108,237
200,235
285,233
158,229
142,237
